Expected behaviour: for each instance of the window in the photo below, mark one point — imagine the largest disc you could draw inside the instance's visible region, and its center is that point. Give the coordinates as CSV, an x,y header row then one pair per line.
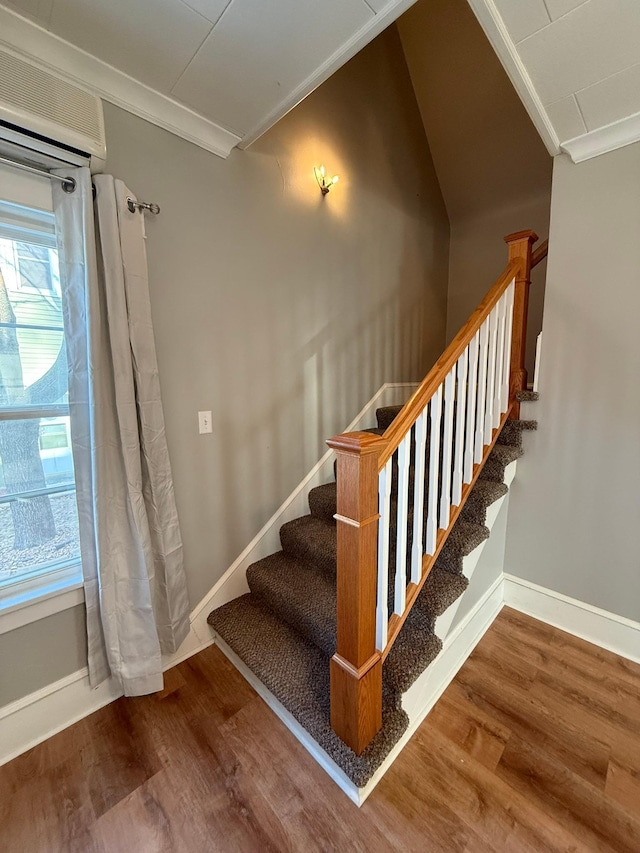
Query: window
x,y
39,542
33,265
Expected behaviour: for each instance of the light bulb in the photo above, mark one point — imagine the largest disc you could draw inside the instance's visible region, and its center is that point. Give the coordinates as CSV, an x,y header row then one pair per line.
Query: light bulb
x,y
335,179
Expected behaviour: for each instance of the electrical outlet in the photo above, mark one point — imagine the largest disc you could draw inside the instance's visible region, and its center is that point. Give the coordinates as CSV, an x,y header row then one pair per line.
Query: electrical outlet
x,y
204,422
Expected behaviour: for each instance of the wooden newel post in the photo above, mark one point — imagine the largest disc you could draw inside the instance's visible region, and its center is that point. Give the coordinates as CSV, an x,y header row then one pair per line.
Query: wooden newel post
x,y
520,245
356,667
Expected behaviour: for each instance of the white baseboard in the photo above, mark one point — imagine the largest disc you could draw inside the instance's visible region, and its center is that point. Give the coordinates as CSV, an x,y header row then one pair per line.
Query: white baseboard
x,y
600,627
38,716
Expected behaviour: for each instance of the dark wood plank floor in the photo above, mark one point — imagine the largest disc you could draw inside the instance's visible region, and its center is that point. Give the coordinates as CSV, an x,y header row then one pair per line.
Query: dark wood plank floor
x,y
534,747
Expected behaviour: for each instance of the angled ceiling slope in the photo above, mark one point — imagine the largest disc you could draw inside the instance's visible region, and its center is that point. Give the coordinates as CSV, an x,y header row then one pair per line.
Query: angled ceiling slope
x,y
575,65
216,72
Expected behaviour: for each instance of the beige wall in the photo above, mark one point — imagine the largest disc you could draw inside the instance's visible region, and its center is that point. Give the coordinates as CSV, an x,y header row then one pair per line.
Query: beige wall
x,y
478,255
574,515
279,310
493,168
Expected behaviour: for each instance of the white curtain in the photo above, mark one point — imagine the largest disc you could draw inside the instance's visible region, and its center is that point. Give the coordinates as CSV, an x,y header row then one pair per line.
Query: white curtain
x,y
135,586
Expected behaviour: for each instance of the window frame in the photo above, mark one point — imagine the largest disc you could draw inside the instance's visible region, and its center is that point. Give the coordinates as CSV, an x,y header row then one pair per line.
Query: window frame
x,y
52,587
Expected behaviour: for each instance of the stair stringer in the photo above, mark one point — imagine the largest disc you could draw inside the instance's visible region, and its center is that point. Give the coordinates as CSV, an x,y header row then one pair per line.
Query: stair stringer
x,y
446,621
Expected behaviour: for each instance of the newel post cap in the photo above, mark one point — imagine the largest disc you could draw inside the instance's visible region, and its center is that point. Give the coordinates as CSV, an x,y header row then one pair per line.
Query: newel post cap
x,y
517,236
357,443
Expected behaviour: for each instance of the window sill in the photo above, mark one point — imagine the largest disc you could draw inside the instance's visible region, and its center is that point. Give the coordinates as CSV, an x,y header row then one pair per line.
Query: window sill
x,y
23,602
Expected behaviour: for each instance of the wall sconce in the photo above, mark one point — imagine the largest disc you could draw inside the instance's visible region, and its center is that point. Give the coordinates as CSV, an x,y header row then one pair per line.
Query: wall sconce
x,y
324,183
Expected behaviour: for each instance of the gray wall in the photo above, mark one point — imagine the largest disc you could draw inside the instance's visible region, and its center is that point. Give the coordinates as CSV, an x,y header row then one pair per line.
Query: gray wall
x,y
279,310
493,168
479,254
574,515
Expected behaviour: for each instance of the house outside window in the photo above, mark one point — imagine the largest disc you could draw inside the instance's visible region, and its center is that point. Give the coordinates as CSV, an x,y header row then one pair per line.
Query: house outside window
x,y
39,541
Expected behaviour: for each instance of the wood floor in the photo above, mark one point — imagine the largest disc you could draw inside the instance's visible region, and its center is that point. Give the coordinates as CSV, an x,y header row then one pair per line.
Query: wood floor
x,y
534,746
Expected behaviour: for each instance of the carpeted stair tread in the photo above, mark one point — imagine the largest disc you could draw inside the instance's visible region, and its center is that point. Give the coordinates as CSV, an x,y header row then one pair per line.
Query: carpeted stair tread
x,y
483,494
462,540
466,536
386,415
299,594
501,456
440,590
306,601
311,540
512,432
297,674
527,396
416,646
322,501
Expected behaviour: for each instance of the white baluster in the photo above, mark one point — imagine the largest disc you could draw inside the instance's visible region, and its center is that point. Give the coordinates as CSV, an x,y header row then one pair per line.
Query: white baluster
x,y
461,402
536,366
417,548
482,391
497,404
491,375
447,448
384,508
400,596
504,394
471,408
435,407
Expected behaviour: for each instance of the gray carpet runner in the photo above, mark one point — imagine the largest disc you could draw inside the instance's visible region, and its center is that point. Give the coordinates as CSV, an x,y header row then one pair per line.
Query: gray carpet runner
x,y
284,630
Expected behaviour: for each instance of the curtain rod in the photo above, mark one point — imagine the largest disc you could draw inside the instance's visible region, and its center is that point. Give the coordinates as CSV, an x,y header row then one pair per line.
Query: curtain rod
x,y
68,184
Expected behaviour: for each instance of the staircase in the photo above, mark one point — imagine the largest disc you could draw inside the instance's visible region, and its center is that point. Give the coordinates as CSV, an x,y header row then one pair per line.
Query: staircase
x,y
315,628
284,630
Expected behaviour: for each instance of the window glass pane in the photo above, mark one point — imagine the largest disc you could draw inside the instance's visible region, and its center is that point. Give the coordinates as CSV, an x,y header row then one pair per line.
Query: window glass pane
x,y
55,521
35,454
34,266
38,516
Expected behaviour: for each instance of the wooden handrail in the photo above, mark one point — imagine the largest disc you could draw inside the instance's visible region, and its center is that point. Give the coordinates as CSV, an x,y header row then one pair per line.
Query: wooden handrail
x,y
364,637
540,254
436,376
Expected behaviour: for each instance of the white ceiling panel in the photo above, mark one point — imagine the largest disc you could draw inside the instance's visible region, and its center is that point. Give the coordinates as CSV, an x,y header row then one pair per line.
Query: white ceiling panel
x,y
209,9
578,76
599,38
566,119
523,19
39,10
558,8
611,99
259,53
378,5
152,42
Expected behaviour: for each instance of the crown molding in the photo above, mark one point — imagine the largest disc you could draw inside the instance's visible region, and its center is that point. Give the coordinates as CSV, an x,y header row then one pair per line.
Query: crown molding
x,y
491,22
604,139
116,87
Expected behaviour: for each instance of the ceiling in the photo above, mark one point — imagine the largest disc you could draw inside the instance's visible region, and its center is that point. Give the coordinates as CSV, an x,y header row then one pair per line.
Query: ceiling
x,y
576,66
221,72
234,67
